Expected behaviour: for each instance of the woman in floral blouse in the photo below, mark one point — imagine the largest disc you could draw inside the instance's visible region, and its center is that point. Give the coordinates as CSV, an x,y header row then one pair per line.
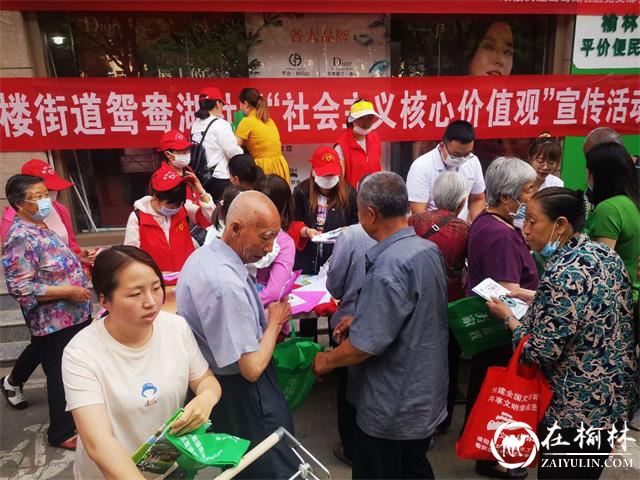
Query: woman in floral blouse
x,y
581,334
47,280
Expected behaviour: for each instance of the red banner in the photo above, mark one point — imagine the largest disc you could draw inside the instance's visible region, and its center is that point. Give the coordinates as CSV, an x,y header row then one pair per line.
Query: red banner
x,y
79,113
560,7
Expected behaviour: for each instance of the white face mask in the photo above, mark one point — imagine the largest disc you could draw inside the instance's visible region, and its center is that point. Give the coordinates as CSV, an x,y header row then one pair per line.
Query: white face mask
x,y
181,160
362,131
327,182
456,162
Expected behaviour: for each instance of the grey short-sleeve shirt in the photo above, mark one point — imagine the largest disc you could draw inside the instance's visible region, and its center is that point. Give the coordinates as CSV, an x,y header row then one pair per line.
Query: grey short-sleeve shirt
x,y
400,392
347,268
218,298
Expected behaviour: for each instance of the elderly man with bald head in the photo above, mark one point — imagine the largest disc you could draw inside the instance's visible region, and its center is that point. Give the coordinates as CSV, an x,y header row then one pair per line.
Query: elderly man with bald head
x,y
236,335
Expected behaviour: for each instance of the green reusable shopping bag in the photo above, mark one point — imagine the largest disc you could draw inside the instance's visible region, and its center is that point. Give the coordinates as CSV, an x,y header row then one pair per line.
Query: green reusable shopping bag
x,y
293,359
208,449
474,329
192,451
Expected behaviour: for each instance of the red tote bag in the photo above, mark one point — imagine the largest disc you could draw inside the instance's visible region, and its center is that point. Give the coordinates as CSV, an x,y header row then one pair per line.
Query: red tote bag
x,y
503,421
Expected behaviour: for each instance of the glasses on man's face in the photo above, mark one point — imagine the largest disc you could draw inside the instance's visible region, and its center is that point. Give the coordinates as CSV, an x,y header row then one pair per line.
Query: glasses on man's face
x,y
466,156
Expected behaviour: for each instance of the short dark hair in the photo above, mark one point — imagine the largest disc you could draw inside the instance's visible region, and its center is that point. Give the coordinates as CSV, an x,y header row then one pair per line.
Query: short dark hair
x,y
244,167
386,192
17,186
613,172
175,196
460,130
559,202
277,189
109,262
220,213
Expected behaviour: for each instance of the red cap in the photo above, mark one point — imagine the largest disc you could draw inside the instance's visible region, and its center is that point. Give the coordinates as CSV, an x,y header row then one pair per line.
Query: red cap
x,y
212,93
42,169
325,161
174,140
165,178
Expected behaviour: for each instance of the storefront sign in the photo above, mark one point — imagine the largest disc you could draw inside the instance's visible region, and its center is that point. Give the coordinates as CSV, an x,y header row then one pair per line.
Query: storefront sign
x,y
319,45
566,7
77,113
608,41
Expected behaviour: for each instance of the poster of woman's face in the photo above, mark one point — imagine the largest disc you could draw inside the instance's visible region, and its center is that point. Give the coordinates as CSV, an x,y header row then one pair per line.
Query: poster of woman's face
x,y
471,45
494,53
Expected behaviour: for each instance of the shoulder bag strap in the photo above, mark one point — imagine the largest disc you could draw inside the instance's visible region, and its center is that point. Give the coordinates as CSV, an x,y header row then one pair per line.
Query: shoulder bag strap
x,y
436,227
204,134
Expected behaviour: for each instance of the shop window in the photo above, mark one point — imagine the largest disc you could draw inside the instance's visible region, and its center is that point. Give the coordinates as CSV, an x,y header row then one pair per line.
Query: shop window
x,y
108,182
431,45
133,45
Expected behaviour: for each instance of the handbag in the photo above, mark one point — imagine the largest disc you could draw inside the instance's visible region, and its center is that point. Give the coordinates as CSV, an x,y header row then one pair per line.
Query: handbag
x,y
503,422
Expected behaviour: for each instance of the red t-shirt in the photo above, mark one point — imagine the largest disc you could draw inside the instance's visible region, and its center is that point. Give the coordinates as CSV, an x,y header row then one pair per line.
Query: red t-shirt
x,y
452,240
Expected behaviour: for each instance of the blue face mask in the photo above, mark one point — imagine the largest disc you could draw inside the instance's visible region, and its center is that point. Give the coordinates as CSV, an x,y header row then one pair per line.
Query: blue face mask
x,y
551,247
518,217
522,208
44,209
169,212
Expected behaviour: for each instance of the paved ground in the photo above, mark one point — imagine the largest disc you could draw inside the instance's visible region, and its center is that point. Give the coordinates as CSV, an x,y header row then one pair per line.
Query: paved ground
x,y
25,454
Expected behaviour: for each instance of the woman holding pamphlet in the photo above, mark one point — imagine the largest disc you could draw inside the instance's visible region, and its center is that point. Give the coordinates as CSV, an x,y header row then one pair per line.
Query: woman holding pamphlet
x,y
128,372
497,250
322,203
580,328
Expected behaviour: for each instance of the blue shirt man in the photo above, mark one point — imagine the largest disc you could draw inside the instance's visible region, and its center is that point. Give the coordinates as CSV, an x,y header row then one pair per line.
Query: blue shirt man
x,y
218,298
397,341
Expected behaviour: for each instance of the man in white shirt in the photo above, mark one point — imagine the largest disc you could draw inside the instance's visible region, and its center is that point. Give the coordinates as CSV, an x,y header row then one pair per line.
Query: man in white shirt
x,y
453,153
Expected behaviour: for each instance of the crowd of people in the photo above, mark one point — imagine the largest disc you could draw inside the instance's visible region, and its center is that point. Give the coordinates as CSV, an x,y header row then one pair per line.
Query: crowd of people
x,y
230,237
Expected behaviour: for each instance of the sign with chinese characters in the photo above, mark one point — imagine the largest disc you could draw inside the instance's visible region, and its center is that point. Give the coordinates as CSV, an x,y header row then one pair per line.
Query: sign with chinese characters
x,y
609,41
564,7
299,45
73,113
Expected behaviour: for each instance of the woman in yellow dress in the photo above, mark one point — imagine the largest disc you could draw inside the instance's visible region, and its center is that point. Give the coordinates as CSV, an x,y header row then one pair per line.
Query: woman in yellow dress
x,y
259,134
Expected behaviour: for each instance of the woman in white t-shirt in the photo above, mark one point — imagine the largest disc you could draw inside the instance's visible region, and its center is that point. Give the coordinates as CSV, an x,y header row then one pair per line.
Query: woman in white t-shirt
x,y
220,143
544,156
128,372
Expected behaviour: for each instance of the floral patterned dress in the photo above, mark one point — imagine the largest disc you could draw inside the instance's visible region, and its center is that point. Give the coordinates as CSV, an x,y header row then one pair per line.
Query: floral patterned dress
x,y
581,327
34,258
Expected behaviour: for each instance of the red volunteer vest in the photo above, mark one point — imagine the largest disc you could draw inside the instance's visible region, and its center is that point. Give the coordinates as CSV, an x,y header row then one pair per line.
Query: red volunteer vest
x,y
171,256
357,162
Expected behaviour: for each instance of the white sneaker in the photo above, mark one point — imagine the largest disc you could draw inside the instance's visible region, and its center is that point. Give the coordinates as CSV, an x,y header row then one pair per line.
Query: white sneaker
x,y
13,395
